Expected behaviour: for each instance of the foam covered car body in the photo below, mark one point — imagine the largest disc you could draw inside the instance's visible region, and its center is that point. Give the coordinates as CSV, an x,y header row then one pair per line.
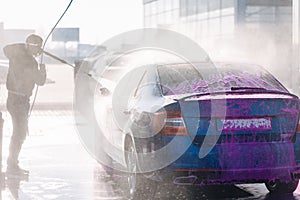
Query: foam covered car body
x,y
195,124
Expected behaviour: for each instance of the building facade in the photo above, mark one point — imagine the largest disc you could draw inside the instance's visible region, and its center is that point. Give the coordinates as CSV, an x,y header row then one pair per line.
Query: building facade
x,y
254,31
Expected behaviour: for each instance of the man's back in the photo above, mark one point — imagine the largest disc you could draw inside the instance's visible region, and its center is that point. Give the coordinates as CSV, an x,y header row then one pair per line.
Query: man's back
x,y
23,71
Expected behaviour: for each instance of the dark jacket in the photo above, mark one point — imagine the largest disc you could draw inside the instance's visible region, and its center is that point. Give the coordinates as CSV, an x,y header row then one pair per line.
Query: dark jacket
x,y
24,71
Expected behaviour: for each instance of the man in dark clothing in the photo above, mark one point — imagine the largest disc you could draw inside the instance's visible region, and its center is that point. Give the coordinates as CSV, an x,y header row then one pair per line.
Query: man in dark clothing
x,y
24,72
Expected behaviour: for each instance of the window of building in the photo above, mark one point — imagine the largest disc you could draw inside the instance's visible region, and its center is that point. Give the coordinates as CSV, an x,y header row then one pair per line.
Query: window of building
x,y
189,7
214,5
227,3
273,14
202,6
260,14
183,7
192,7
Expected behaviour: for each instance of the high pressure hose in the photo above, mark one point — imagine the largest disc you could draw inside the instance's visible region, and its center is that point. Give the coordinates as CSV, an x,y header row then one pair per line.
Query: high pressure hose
x,y
42,54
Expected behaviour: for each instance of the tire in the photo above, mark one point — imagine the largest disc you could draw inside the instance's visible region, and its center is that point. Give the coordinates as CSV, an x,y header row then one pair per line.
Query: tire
x,y
138,186
282,187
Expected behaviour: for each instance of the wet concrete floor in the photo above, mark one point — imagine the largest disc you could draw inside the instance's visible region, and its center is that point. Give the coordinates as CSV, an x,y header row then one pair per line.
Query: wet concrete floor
x,y
60,168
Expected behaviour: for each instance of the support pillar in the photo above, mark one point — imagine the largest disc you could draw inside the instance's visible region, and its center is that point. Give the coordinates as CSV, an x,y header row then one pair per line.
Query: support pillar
x,y
296,48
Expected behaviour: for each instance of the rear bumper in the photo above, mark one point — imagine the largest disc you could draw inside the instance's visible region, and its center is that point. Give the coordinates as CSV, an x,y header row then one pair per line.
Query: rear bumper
x,y
200,176
237,163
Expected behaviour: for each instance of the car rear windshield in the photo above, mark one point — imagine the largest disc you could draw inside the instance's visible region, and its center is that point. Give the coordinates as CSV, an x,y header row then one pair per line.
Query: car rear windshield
x,y
202,79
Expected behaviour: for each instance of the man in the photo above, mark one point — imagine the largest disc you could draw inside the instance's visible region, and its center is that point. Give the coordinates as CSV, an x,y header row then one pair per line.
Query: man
x,y
24,72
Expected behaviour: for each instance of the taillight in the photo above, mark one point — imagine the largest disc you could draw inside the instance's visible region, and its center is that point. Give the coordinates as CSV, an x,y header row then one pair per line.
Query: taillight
x,y
298,128
173,123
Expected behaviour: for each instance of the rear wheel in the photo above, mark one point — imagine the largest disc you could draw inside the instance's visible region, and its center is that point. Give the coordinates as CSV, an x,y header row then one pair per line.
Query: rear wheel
x,y
282,187
138,186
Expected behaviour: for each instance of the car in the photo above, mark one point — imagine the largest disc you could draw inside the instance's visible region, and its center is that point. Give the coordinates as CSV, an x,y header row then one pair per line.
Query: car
x,y
198,124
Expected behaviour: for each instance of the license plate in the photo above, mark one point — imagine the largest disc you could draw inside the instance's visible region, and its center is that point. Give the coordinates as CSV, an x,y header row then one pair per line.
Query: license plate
x,y
251,124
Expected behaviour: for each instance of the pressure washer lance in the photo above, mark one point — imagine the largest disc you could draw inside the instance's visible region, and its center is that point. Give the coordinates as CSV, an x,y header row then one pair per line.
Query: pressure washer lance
x,y
65,62
57,58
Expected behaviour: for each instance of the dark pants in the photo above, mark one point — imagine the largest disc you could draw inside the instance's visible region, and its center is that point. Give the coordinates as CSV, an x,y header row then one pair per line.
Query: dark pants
x,y
18,107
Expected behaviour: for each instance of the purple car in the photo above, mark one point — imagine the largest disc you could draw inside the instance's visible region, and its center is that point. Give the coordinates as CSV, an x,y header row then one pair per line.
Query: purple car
x,y
194,124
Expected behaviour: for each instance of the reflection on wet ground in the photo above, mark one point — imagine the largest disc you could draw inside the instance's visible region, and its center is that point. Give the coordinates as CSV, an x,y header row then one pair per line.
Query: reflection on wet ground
x,y
60,168
167,191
